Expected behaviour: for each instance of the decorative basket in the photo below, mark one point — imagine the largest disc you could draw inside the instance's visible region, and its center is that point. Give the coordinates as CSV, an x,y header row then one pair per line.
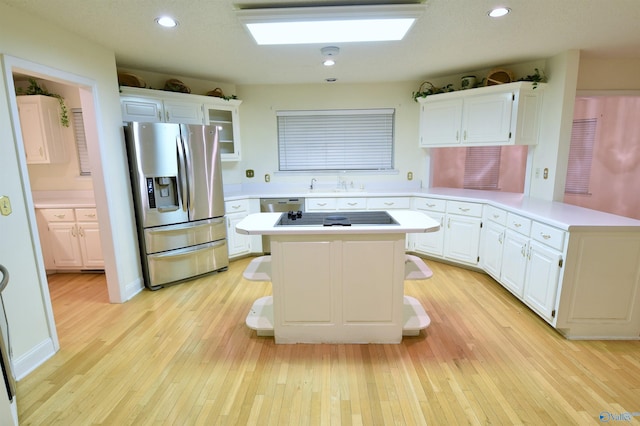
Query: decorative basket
x,y
498,76
217,93
130,80
175,85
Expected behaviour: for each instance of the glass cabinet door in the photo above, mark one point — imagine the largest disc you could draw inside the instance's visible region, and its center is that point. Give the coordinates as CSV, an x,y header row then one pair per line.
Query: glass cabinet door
x,y
226,118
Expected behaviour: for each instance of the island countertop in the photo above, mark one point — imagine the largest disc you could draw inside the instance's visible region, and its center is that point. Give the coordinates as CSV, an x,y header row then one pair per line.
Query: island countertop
x,y
409,221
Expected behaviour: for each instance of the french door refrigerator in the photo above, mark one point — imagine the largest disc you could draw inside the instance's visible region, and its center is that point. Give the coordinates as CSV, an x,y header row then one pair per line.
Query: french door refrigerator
x,y
176,180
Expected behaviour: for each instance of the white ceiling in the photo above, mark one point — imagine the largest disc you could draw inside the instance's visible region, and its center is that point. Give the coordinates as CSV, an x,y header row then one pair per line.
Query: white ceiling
x,y
452,36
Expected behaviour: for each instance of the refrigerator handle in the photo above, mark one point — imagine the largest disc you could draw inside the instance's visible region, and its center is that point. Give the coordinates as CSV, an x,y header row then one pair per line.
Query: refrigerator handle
x,y
182,173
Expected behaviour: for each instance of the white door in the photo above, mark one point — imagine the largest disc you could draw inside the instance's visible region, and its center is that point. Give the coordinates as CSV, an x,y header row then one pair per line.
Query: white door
x,y
542,279
90,245
63,238
487,118
491,248
462,238
431,242
440,122
514,262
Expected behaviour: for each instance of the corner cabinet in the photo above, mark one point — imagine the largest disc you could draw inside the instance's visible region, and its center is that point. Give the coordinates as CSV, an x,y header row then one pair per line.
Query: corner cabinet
x,y
506,114
41,129
158,106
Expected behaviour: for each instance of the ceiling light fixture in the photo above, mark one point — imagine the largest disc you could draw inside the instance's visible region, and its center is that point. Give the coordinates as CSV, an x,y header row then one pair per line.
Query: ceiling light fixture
x,y
498,12
166,21
332,24
329,53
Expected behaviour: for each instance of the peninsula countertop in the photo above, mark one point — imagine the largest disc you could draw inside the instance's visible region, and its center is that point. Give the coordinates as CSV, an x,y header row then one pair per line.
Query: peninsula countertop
x,y
409,221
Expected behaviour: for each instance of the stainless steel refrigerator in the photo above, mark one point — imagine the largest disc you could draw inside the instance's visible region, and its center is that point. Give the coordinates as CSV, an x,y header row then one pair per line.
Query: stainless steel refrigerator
x,y
176,181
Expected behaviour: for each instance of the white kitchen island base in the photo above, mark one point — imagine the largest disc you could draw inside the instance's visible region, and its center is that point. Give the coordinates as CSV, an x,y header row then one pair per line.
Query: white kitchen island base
x,y
336,284
414,317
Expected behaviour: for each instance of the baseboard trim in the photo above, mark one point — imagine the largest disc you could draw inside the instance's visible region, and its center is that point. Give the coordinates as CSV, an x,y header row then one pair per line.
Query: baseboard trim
x,y
28,362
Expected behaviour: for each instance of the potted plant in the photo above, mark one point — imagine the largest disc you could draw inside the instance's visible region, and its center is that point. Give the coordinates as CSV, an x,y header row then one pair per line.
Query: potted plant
x,y
426,89
536,77
35,89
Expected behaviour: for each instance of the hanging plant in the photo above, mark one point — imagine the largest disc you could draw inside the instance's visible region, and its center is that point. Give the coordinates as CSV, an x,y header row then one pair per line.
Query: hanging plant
x,y
426,89
35,89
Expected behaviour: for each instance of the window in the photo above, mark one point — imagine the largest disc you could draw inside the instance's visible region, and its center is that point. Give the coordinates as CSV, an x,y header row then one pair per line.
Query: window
x,y
482,167
580,156
81,142
335,140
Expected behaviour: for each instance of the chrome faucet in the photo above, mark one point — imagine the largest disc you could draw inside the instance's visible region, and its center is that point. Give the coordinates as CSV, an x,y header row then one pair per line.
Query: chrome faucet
x,y
313,180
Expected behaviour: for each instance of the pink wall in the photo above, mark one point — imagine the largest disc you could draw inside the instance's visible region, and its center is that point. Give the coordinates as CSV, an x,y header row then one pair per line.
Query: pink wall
x,y
614,183
448,167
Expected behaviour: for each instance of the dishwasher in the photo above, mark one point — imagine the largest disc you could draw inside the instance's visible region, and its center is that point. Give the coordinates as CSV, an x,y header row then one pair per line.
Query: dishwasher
x,y
277,205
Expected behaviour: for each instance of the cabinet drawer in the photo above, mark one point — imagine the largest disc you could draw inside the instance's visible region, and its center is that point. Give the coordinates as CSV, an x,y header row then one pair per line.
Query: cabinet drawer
x,y
548,235
465,209
388,203
352,203
236,206
58,215
496,215
518,223
86,215
430,204
321,204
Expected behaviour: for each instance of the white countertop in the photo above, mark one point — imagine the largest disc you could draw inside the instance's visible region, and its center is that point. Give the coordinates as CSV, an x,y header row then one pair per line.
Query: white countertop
x,y
63,199
409,221
561,215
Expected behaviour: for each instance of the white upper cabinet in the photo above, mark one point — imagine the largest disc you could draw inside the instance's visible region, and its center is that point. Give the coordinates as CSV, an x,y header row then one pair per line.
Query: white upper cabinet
x,y
506,114
41,129
158,106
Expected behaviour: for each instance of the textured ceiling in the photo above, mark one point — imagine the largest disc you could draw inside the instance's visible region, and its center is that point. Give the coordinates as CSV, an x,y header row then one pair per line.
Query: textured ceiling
x,y
451,36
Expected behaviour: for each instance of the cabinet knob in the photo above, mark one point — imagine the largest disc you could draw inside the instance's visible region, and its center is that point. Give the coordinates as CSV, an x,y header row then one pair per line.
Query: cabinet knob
x,y
60,216
322,204
517,225
389,203
464,209
545,236
352,204
431,205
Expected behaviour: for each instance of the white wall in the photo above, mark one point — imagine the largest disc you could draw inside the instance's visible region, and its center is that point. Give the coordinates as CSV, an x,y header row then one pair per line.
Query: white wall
x,y
259,131
27,40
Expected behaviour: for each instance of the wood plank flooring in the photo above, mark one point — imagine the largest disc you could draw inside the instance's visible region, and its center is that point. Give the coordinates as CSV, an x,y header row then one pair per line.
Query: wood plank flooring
x,y
183,356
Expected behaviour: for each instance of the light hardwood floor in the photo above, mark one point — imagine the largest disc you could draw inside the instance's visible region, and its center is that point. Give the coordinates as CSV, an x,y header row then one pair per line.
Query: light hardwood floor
x,y
183,356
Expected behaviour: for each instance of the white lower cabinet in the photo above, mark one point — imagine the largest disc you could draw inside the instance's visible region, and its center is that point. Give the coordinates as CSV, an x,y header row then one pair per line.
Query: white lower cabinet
x,y
462,232
238,244
541,283
491,248
72,239
514,262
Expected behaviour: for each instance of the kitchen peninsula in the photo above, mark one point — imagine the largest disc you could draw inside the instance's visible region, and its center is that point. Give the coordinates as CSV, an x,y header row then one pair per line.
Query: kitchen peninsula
x,y
338,284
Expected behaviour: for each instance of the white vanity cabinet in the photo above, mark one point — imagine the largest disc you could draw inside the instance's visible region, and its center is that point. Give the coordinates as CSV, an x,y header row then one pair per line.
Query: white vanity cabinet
x,y
41,129
235,211
506,114
158,106
72,240
462,231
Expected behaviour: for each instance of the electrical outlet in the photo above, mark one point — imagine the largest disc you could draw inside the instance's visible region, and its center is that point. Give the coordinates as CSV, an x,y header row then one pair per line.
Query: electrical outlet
x,y
5,205
409,175
267,178
249,173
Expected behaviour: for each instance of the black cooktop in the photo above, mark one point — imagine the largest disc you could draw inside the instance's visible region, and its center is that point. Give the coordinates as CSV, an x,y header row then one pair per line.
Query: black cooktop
x,y
336,218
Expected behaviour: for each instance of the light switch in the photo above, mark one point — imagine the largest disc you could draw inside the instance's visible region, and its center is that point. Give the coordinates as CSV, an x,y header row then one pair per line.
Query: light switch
x,y
5,205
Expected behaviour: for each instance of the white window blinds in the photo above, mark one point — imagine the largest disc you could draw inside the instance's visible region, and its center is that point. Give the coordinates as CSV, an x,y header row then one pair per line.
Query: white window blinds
x,y
583,136
335,140
81,142
482,167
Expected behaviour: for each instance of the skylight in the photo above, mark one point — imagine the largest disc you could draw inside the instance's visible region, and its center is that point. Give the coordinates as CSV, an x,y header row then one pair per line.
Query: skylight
x,y
337,24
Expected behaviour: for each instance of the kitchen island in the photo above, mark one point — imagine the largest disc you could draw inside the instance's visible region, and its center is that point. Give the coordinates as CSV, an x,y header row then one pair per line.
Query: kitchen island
x,y
338,284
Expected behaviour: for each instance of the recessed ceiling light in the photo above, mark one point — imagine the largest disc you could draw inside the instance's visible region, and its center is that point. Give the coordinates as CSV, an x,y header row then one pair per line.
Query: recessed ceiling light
x,y
166,21
498,12
333,24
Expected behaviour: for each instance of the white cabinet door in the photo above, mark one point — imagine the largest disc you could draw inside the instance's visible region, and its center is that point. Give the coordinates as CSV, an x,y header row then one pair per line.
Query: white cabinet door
x,y
487,119
63,238
147,110
543,272
462,238
431,242
491,248
440,122
182,112
226,117
90,246
41,129
237,243
514,262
